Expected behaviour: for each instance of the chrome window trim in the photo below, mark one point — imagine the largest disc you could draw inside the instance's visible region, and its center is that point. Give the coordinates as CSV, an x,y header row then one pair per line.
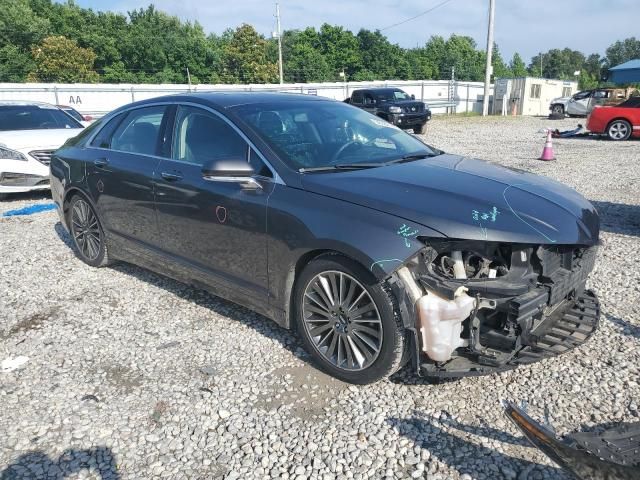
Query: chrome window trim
x,y
276,178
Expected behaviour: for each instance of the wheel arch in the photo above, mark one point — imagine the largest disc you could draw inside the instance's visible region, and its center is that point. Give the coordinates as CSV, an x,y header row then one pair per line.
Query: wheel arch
x,y
619,118
294,273
69,194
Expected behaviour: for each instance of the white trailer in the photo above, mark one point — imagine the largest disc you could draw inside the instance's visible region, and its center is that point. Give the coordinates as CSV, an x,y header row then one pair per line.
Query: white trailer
x,y
529,95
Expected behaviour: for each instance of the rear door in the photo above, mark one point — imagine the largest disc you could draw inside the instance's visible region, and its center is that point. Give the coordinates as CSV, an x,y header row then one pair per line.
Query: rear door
x,y
579,103
123,159
215,227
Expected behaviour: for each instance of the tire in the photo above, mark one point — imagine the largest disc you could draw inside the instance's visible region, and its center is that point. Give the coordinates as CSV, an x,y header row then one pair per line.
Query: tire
x,y
420,130
557,109
87,233
619,130
359,345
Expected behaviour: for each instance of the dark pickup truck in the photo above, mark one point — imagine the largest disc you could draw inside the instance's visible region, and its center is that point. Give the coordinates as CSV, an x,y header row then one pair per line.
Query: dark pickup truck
x,y
394,105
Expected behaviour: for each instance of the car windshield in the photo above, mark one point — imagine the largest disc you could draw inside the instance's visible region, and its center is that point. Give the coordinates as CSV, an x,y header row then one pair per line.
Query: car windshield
x,y
34,117
391,95
312,134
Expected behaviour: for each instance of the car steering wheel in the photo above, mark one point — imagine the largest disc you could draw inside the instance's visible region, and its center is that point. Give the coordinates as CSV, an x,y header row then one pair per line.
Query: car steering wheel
x,y
340,151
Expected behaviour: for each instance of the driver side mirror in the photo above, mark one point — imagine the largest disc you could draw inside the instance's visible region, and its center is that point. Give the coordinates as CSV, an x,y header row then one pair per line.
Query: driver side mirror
x,y
234,170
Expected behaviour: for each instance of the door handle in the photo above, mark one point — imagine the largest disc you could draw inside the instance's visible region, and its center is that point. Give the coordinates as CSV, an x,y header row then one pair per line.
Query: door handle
x,y
171,177
101,162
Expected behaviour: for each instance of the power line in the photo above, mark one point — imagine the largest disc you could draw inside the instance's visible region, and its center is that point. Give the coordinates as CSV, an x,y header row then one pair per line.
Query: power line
x,y
416,16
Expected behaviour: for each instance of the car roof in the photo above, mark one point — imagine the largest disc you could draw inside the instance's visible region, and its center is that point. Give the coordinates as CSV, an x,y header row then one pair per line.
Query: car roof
x,y
231,99
24,103
380,89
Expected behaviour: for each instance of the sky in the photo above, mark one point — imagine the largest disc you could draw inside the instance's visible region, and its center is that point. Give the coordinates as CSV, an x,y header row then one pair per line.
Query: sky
x,y
522,26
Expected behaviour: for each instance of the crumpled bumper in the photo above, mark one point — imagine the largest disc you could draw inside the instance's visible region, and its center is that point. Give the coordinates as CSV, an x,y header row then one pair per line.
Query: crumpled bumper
x,y
557,334
612,454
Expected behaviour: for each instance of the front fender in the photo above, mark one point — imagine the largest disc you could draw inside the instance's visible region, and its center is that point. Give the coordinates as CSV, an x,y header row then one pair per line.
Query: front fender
x,y
300,222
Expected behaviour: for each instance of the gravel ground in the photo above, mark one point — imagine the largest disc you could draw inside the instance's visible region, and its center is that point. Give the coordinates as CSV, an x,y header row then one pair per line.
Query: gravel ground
x,y
132,375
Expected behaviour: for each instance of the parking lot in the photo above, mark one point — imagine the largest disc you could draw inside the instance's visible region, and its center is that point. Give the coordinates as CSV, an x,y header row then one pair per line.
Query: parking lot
x,y
133,375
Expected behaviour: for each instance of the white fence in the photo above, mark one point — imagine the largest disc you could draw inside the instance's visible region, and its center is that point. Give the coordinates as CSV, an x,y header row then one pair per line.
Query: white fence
x,y
98,99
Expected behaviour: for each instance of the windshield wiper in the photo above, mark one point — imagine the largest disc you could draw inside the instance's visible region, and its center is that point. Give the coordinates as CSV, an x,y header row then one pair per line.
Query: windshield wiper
x,y
412,156
340,166
362,165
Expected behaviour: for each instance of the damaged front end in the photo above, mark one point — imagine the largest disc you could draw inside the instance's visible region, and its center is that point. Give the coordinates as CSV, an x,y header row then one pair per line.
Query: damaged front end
x,y
480,307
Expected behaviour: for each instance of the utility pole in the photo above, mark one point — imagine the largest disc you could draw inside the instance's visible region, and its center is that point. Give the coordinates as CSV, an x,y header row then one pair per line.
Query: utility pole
x,y
279,43
189,79
541,75
488,68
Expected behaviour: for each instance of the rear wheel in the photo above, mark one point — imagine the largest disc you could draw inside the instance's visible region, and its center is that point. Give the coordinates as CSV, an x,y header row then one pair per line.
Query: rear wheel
x,y
619,130
86,232
347,321
420,129
557,109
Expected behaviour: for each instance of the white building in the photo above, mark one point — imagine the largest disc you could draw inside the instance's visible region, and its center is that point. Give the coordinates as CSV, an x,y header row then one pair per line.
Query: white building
x,y
529,95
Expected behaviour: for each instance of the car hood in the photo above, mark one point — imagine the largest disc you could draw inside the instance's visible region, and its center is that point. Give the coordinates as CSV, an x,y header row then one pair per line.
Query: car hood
x,y
43,138
467,198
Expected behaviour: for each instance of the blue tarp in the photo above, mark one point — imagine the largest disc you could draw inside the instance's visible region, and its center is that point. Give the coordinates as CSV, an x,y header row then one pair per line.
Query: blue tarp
x,y
628,72
40,207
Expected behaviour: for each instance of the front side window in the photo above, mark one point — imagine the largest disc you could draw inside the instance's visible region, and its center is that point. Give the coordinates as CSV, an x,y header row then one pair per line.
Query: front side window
x,y
201,136
103,138
34,117
312,134
582,95
356,97
139,131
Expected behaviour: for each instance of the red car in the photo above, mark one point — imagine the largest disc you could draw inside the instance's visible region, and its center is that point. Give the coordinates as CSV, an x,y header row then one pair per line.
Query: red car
x,y
619,122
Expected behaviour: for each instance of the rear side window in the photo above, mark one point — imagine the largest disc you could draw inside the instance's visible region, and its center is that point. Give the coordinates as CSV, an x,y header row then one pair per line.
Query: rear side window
x,y
139,131
201,137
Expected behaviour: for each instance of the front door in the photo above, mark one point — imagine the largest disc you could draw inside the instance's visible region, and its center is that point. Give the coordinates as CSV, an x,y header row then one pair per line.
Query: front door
x,y
218,228
124,158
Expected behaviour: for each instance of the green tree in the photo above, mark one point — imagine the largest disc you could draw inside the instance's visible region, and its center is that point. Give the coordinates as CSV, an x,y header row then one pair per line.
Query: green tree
x,y
500,69
622,51
15,64
340,49
380,58
517,66
303,60
461,54
59,59
244,58
557,63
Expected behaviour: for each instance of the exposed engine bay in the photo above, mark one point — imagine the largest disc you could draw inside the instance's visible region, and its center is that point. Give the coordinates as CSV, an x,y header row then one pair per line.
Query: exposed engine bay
x,y
480,307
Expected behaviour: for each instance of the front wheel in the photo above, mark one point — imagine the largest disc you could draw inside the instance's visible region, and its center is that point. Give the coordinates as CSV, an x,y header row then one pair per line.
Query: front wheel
x,y
557,109
420,129
86,232
619,130
347,321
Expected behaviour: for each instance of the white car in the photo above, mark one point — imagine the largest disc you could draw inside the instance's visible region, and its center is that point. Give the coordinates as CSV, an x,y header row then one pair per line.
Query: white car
x,y
29,133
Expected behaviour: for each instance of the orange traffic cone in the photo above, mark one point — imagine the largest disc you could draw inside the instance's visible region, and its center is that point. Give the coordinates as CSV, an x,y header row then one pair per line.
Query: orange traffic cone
x,y
547,151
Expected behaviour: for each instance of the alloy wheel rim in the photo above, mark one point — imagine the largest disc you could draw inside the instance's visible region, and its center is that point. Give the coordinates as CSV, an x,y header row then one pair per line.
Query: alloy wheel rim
x,y
86,231
342,320
618,130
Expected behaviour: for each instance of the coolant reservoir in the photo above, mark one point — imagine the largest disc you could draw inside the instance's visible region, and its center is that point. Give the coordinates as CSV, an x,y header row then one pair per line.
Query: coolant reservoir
x,y
440,323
